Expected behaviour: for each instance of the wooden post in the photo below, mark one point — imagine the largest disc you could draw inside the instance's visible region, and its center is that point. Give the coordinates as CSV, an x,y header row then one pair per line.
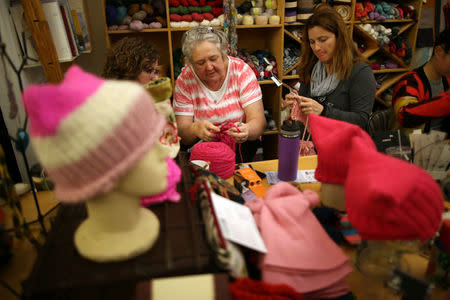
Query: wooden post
x,y
43,40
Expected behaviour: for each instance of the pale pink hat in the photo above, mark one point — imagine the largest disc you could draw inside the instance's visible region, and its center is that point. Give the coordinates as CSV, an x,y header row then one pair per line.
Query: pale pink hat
x,y
87,132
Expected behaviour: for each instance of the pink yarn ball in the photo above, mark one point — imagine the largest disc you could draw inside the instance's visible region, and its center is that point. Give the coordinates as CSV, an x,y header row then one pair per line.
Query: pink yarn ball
x,y
220,156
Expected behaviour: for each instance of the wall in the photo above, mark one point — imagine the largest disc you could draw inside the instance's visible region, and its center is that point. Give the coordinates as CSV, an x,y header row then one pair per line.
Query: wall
x,y
93,62
28,76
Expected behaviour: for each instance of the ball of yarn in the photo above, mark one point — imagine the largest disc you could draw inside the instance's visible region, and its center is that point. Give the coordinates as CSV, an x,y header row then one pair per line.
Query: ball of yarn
x,y
220,156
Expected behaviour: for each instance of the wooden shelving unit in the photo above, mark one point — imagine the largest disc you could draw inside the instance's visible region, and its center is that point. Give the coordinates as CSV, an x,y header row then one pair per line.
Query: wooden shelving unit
x,y
271,38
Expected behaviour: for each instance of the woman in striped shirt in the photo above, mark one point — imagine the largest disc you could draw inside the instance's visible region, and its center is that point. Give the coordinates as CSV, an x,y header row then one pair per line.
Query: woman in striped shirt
x,y
214,89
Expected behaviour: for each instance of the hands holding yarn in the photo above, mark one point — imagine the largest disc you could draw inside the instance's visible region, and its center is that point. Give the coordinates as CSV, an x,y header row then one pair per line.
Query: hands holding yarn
x,y
241,135
307,105
205,130
310,106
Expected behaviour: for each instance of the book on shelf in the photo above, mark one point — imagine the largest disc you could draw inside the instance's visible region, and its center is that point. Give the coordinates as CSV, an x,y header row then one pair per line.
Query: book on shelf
x,y
69,32
78,31
55,22
78,10
66,10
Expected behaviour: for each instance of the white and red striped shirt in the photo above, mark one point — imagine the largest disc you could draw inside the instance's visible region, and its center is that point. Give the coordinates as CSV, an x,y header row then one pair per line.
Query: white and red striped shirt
x,y
241,89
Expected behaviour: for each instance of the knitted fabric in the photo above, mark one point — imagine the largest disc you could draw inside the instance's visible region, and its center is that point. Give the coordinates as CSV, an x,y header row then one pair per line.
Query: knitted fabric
x,y
390,199
299,251
222,158
170,194
332,140
87,132
248,289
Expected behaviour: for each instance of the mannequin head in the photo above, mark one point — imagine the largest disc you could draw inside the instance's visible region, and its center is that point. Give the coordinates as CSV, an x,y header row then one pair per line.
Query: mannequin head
x,y
98,141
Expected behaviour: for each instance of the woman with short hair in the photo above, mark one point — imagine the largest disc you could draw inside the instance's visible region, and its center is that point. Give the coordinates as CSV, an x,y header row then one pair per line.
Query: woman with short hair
x,y
214,89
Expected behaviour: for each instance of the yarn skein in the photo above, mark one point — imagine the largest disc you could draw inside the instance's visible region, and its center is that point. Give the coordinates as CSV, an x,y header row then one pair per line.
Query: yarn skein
x,y
220,155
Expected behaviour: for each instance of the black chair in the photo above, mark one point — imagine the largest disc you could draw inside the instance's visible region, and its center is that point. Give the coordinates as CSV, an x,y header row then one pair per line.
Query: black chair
x,y
379,121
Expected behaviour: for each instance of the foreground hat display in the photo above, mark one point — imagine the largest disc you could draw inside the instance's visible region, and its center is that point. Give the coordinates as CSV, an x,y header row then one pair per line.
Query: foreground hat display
x,y
332,141
391,199
97,141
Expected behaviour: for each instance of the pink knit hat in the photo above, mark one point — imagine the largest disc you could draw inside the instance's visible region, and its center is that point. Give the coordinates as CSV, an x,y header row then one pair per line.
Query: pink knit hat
x,y
87,132
391,199
332,140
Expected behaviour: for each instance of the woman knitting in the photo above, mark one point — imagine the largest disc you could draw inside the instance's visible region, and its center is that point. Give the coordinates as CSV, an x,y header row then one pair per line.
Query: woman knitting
x,y
132,58
215,90
335,80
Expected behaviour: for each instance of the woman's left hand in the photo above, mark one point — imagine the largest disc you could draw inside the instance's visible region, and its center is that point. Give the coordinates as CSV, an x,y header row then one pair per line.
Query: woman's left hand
x,y
310,106
239,137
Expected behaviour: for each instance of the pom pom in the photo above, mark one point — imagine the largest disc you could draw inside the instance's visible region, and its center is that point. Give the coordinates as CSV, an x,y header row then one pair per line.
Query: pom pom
x,y
184,3
174,3
193,3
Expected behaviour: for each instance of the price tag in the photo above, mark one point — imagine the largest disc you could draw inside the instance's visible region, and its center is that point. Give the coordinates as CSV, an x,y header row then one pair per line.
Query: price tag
x,y
276,80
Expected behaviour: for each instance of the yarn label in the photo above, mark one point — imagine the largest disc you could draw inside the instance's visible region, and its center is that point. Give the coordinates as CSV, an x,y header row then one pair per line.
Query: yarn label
x,y
276,80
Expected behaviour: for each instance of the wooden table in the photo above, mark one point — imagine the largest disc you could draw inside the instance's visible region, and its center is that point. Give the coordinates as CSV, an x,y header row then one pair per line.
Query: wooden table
x,y
363,287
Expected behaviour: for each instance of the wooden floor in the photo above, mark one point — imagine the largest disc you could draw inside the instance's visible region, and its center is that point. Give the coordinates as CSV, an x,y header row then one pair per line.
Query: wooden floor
x,y
24,253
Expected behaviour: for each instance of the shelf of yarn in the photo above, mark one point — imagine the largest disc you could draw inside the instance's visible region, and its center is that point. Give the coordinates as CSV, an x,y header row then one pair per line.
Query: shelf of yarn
x,y
290,45
372,46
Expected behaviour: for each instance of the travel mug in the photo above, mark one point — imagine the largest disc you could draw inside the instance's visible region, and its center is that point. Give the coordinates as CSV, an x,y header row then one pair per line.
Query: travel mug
x,y
288,150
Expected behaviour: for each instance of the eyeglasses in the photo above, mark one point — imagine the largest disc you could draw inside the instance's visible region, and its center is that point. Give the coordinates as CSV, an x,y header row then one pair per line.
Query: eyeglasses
x,y
151,71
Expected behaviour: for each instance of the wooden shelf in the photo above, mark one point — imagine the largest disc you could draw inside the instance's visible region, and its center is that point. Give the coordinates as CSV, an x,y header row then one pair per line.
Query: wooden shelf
x,y
292,67
386,21
266,81
288,77
270,132
133,31
292,36
268,26
391,70
389,82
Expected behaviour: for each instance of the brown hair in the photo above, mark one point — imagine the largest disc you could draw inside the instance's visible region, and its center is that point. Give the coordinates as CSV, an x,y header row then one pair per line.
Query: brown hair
x,y
345,54
128,58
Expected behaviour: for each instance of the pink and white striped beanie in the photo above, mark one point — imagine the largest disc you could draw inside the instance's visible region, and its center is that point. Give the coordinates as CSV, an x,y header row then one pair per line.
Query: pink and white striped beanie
x,y
87,132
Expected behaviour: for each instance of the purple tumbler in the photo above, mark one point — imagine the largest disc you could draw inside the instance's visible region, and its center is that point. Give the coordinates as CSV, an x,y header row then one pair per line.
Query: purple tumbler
x,y
288,149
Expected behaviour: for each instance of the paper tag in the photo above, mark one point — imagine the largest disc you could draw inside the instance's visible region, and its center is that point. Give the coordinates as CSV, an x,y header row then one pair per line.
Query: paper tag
x,y
237,223
276,80
303,176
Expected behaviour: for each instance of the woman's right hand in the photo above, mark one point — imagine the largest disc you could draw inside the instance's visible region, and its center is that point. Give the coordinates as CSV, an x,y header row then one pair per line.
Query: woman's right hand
x,y
205,130
289,100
